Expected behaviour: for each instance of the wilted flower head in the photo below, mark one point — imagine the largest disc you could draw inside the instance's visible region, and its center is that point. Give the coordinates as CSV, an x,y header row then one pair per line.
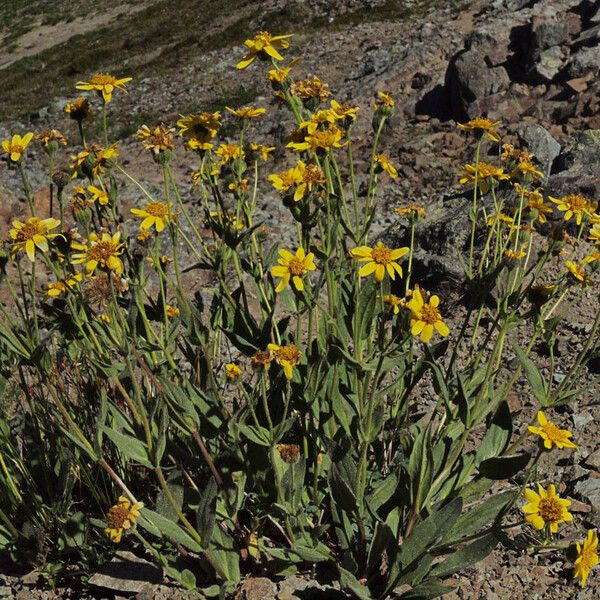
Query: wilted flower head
x,y
385,104
261,150
51,138
382,163
200,129
290,453
232,371
158,139
287,357
412,211
311,89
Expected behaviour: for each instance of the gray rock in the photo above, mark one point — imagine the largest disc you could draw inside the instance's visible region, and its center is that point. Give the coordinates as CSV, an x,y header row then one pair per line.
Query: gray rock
x,y
542,145
468,80
548,65
582,419
257,588
593,460
126,572
588,37
546,33
585,61
5,592
589,490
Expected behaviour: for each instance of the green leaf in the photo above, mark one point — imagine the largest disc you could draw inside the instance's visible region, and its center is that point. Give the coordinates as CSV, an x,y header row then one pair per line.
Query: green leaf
x,y
420,467
466,556
350,584
497,436
258,435
432,588
383,492
224,554
479,517
128,446
365,311
533,376
152,522
504,467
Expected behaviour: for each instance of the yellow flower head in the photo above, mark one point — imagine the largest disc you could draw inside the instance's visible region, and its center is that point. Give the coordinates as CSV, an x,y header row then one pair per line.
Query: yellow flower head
x,y
321,141
395,302
290,453
154,214
247,112
525,169
263,151
15,147
51,138
287,357
546,508
551,434
578,272
172,311
200,128
510,153
379,260
481,127
98,195
425,316
591,258
79,109
574,205
280,74
232,371
102,251
104,84
346,113
157,140
382,163
412,211
228,152
285,180
535,203
587,557
594,234
32,234
263,45
486,175
120,517
514,256
293,267
309,176
500,218
62,286
322,119
384,104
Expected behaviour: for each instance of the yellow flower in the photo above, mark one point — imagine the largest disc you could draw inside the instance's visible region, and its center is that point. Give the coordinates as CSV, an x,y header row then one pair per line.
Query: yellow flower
x,y
228,152
322,119
344,112
94,160
247,112
290,453
105,319
294,267
535,202
287,357
482,127
310,176
62,286
546,508
591,258
384,164
395,302
379,260
157,140
50,138
32,234
15,147
319,141
263,151
200,128
101,251
285,180
79,109
595,234
172,311
578,272
232,371
551,434
486,175
104,84
263,45
279,75
98,195
155,214
412,211
514,256
500,218
384,103
587,557
425,316
512,154
120,517
526,169
573,205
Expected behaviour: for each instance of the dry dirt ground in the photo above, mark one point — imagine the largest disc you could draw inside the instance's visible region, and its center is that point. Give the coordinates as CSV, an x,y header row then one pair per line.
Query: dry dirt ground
x,y
182,55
